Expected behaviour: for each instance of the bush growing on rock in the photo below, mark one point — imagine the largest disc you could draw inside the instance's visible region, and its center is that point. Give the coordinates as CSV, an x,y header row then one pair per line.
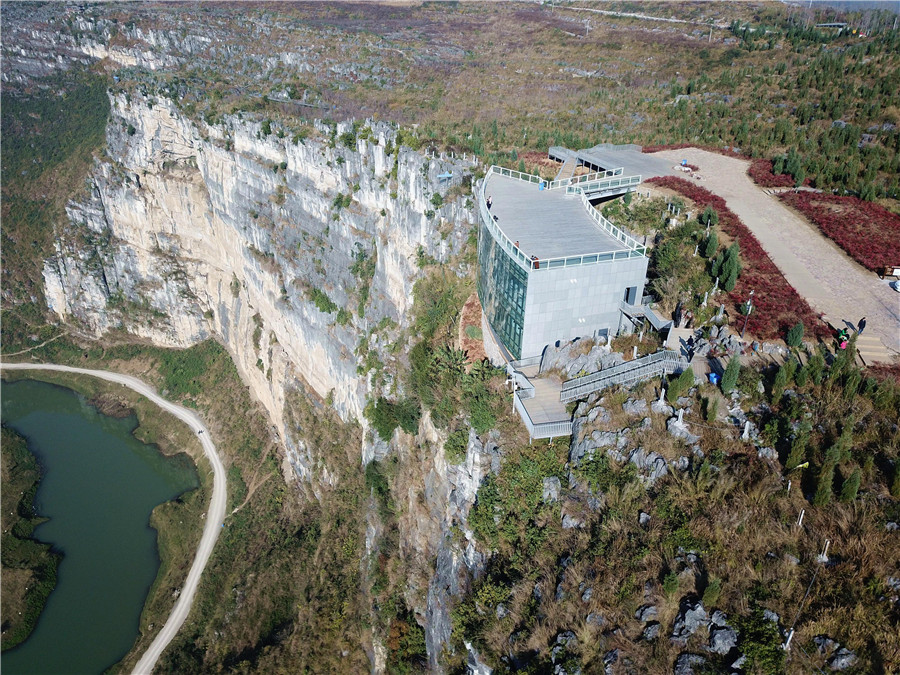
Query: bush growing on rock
x,y
679,385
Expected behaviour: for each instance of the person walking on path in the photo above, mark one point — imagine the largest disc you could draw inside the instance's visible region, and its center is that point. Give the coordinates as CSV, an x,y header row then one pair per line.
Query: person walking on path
x,y
490,201
861,326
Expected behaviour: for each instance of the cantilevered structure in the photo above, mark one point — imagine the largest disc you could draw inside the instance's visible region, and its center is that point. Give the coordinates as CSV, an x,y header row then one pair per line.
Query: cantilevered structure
x,y
551,267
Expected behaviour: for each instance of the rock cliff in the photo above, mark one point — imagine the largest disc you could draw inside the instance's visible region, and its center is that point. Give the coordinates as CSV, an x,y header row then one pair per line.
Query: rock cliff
x,y
193,231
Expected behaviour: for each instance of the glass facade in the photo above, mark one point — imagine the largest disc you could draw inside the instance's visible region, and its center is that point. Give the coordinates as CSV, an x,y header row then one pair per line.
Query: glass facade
x,y
501,288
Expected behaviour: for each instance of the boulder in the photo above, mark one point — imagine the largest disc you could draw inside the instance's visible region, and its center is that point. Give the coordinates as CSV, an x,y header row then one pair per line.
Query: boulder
x,y
644,519
551,490
652,463
662,408
691,616
595,619
722,640
599,413
646,613
586,596
682,463
843,658
719,618
651,630
646,423
680,430
767,453
686,663
635,406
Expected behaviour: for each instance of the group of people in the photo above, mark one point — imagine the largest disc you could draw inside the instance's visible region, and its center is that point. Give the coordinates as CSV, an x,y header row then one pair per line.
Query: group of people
x,y
843,337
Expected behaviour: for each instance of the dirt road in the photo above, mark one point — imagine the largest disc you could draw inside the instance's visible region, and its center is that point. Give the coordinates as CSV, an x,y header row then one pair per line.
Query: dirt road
x,y
816,267
214,519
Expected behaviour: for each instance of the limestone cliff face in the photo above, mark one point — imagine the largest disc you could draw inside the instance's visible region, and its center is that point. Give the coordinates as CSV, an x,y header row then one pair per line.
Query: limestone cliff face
x,y
196,231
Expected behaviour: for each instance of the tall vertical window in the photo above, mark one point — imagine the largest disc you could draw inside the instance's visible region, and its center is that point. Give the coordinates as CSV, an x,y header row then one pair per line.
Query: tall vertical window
x,y
501,288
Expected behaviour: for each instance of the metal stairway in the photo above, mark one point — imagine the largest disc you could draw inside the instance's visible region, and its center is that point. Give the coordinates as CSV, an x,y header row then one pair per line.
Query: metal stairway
x,y
644,368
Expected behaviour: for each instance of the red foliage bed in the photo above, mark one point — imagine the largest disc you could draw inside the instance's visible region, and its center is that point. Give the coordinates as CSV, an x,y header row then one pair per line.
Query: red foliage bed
x,y
777,304
761,173
869,233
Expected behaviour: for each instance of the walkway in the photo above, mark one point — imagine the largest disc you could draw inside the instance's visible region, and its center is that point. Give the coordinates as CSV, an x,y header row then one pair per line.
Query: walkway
x,y
215,516
816,267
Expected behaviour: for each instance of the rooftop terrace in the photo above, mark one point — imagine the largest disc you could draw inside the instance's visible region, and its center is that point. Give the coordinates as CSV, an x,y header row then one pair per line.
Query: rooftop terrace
x,y
546,223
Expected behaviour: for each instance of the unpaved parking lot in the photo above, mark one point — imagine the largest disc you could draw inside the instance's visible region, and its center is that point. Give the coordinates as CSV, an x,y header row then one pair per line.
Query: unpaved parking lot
x,y
831,282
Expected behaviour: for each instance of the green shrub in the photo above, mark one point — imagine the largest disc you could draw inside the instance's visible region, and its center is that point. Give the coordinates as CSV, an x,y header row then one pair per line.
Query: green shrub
x,y
711,246
795,335
437,201
731,375
712,592
760,640
455,447
386,416
321,300
824,485
851,486
679,385
670,584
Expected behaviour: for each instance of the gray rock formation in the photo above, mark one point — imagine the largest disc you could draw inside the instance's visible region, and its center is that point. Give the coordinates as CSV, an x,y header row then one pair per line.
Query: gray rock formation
x,y
689,664
691,616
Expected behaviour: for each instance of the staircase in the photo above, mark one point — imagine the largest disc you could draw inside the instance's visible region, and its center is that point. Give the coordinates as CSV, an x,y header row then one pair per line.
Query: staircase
x,y
567,170
644,368
871,349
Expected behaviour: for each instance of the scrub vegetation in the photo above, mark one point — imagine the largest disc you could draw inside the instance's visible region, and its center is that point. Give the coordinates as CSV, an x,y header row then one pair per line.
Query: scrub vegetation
x,y
28,566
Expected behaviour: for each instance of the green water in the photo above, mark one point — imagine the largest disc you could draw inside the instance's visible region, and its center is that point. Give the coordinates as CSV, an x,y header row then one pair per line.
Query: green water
x,y
99,486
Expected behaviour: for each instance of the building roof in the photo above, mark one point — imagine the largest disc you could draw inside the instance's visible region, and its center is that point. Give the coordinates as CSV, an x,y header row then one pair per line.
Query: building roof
x,y
546,223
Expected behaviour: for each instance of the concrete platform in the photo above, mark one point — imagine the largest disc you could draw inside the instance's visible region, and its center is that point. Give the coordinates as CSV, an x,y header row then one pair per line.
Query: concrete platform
x,y
546,223
546,406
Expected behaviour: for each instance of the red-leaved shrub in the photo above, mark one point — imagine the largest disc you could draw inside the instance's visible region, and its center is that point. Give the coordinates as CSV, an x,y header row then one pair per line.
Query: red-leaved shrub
x,y
777,305
869,233
761,173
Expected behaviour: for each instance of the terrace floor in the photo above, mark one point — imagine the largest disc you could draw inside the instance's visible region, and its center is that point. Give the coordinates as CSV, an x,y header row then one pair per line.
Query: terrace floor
x,y
545,406
546,223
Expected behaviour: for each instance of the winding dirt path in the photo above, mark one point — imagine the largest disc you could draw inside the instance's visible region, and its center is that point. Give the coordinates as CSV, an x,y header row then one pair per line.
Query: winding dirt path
x,y
832,282
215,516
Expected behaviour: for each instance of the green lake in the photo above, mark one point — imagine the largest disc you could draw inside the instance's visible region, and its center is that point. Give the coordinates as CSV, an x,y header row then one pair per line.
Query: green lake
x,y
98,489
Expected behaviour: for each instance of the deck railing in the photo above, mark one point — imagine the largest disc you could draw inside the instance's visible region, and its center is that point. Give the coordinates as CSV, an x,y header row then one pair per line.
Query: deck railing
x,y
632,248
652,365
574,181
542,429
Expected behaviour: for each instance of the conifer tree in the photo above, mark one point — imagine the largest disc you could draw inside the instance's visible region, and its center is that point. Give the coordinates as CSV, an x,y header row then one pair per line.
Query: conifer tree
x,y
712,243
851,486
823,494
731,374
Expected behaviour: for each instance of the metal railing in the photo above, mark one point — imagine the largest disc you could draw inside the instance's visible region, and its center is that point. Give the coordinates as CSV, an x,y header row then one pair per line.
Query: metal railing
x,y
611,229
543,429
600,185
645,310
586,178
652,365
633,248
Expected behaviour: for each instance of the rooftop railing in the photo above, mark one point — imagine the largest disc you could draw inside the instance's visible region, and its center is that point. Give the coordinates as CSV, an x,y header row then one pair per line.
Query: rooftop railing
x,y
632,249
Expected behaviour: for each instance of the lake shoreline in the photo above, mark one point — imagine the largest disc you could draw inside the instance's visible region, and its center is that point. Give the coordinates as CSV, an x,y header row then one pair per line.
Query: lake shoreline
x,y
175,542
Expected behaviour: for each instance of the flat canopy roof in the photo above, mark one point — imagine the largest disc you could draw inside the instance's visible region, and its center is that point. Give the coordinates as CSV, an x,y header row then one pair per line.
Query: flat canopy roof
x,y
546,223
